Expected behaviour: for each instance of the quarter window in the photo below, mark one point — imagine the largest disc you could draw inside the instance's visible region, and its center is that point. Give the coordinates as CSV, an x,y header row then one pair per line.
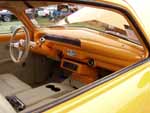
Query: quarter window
x,y
8,22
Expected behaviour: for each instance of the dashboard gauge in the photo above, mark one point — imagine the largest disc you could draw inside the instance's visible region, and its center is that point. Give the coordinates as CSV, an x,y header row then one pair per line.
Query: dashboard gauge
x,y
71,53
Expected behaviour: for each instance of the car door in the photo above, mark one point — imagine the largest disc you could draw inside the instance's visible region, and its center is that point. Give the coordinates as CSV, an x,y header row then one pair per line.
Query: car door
x,y
6,29
23,71
29,71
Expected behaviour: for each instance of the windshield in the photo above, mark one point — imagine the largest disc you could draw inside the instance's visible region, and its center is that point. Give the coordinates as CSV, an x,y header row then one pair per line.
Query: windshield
x,y
70,15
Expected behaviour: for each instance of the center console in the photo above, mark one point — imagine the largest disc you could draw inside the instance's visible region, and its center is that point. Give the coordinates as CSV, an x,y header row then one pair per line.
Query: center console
x,y
80,72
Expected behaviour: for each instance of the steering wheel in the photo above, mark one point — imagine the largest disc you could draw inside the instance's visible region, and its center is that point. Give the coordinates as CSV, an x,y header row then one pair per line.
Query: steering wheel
x,y
19,48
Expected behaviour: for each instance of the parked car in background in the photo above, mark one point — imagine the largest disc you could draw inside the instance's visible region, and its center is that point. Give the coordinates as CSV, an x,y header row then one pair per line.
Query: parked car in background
x,y
62,11
43,12
6,16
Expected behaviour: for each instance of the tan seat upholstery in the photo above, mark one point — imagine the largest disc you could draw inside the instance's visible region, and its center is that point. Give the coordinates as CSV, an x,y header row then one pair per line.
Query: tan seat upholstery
x,y
41,96
10,85
5,107
34,96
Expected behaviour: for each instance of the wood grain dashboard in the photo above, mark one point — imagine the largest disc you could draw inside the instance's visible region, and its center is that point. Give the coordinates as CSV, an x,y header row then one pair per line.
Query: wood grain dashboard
x,y
85,46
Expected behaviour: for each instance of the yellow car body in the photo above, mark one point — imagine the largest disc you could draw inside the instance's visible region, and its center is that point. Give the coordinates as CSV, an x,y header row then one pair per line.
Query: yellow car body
x,y
125,91
114,96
